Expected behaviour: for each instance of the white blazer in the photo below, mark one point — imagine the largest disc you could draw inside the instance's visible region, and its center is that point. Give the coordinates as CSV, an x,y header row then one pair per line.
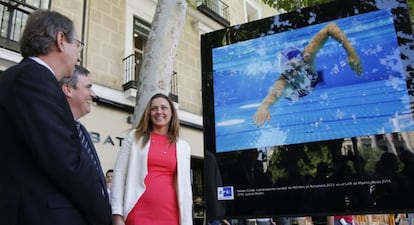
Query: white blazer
x,y
131,169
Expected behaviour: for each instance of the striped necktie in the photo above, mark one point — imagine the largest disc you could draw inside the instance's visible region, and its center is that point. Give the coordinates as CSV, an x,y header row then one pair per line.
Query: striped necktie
x,y
85,145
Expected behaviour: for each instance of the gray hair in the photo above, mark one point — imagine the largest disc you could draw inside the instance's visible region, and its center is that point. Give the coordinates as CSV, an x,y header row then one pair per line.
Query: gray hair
x,y
73,80
41,30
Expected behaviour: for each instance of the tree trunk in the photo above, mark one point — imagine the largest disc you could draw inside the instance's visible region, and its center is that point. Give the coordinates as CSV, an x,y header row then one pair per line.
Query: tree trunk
x,y
159,53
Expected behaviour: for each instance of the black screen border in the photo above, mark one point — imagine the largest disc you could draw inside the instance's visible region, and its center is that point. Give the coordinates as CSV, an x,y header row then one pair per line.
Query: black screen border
x,y
324,13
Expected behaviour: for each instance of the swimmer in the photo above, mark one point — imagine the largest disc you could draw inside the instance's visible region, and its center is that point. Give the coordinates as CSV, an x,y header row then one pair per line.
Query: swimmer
x,y
299,76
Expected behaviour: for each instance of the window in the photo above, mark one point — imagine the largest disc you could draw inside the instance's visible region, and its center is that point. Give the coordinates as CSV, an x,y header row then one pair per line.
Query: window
x,y
44,4
141,32
216,10
133,62
252,10
14,15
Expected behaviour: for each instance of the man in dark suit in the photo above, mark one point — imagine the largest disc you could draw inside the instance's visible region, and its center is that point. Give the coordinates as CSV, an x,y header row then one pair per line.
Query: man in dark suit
x,y
47,178
79,93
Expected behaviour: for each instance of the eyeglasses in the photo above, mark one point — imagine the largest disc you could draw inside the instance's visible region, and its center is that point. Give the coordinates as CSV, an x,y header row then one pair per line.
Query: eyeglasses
x,y
80,44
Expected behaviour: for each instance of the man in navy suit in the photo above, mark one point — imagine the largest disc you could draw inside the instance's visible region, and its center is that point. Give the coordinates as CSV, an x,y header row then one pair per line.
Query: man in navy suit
x,y
79,93
47,178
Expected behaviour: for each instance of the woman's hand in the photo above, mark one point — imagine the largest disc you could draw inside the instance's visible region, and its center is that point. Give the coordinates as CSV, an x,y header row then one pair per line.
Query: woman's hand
x,y
355,63
261,116
117,220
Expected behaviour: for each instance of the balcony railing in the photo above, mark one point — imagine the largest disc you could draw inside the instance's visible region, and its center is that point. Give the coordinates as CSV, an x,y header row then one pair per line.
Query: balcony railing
x,y
131,77
216,10
13,16
174,87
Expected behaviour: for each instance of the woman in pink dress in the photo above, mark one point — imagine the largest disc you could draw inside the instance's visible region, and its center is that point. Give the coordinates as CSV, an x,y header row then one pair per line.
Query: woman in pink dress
x,y
151,183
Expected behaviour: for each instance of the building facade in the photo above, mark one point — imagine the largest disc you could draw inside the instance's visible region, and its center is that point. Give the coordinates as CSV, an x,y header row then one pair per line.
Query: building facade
x,y
115,34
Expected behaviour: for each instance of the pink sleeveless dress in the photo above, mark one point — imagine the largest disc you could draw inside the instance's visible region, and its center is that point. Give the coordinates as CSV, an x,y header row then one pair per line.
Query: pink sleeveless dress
x,y
158,204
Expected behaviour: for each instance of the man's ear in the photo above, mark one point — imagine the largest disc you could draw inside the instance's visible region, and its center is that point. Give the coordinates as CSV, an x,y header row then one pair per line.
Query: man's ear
x,y
61,39
67,90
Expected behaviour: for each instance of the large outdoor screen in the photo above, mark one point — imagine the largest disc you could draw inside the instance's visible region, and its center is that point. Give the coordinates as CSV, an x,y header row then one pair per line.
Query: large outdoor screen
x,y
310,112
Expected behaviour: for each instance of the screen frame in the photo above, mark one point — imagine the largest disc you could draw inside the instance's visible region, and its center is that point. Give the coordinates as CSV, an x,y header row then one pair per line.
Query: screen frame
x,y
323,13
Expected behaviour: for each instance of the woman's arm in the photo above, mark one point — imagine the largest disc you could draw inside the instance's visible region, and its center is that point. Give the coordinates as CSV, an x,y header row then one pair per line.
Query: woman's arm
x,y
262,114
319,40
119,176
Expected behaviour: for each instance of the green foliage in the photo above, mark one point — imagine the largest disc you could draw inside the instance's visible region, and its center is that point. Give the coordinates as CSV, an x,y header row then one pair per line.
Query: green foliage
x,y
371,157
291,5
304,159
192,3
411,8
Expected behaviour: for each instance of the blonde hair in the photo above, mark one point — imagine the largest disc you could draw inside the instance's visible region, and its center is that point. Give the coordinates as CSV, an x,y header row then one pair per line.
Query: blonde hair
x,y
145,126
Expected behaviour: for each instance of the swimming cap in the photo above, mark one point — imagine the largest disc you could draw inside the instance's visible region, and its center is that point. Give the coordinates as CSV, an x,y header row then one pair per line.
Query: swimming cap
x,y
288,55
292,53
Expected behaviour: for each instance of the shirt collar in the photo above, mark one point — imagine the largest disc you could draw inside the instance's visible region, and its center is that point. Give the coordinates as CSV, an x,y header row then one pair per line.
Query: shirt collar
x,y
41,62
